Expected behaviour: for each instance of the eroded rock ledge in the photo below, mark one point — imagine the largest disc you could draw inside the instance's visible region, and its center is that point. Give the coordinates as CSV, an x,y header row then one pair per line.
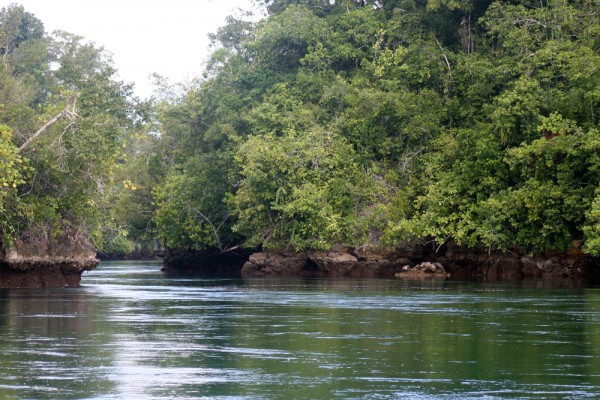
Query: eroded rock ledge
x,y
338,262
449,262
36,261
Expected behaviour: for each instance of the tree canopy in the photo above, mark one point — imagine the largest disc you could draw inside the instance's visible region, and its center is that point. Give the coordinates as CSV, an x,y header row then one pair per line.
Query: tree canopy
x,y
386,122
64,120
362,123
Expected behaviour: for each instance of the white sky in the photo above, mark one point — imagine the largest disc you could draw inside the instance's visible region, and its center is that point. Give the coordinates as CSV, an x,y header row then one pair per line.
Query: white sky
x,y
168,37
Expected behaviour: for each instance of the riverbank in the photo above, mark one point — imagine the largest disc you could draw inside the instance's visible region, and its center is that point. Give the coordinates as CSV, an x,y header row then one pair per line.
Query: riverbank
x,y
448,261
60,262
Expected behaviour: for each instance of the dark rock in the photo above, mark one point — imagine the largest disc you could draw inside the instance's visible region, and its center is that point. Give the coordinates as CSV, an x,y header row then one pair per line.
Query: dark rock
x,y
338,262
276,263
503,269
439,261
210,262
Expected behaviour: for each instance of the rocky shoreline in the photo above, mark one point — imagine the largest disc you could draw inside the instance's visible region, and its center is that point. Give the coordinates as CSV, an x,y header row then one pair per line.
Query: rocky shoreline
x,y
450,261
34,262
338,262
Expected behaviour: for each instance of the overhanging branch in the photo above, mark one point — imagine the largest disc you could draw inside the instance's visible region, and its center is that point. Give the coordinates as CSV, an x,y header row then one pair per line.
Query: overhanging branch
x,y
68,111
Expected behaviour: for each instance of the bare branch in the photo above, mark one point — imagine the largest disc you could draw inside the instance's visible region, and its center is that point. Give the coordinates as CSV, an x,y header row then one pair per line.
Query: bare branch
x,y
215,230
69,112
445,57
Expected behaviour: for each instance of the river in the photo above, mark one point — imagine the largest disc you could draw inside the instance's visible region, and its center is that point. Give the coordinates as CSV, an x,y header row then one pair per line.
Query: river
x,y
130,332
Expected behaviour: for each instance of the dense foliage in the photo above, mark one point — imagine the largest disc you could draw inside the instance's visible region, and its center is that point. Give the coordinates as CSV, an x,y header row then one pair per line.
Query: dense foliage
x,y
64,122
376,123
389,122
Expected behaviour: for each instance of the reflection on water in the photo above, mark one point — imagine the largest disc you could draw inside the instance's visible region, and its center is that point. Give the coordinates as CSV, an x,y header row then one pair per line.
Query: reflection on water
x,y
131,332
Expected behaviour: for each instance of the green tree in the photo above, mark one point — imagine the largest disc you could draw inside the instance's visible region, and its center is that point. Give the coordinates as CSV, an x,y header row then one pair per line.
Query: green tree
x,y
302,190
68,115
190,212
340,121
13,172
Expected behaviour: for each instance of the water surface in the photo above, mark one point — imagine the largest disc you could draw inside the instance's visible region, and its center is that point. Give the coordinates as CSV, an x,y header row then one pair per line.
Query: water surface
x,y
131,332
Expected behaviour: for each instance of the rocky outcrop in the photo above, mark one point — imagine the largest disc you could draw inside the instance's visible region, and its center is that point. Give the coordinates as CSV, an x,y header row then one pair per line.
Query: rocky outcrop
x,y
465,263
36,261
338,262
276,263
424,270
450,261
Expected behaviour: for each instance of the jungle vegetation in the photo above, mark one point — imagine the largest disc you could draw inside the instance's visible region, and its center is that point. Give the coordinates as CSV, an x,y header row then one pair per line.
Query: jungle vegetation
x,y
363,123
